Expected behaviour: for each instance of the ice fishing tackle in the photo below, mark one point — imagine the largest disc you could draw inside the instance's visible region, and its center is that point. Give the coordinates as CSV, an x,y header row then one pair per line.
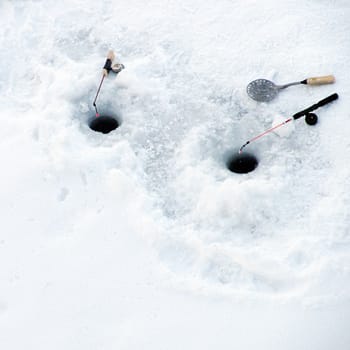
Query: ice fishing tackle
x,y
310,118
109,66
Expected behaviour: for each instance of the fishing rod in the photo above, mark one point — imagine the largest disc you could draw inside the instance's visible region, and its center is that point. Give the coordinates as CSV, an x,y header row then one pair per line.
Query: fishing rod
x,y
109,66
306,112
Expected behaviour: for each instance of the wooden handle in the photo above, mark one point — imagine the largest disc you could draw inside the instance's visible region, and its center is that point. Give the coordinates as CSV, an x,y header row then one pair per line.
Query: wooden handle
x,y
328,79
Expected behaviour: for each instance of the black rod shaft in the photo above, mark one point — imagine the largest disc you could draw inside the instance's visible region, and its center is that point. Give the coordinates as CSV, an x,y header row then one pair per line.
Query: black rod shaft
x,y
98,91
319,104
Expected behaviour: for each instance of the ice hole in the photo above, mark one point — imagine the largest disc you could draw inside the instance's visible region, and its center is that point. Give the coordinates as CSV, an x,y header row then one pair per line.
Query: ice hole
x,y
242,163
103,124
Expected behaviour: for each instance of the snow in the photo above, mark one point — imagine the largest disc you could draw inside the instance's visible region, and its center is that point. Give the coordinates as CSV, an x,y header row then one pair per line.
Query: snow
x,y
142,238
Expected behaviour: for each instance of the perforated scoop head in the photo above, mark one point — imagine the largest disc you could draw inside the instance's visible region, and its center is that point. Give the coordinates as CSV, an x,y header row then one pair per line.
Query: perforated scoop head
x,y
262,90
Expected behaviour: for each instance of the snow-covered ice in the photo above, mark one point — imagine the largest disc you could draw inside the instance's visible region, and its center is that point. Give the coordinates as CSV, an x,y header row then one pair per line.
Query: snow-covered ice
x,y
142,238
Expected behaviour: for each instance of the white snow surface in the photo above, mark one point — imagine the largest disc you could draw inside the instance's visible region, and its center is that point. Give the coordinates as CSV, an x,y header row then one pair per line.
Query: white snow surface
x,y
142,238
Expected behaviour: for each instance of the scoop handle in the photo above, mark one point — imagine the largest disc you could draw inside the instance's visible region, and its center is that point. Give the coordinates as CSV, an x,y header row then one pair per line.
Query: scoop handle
x,y
327,79
108,64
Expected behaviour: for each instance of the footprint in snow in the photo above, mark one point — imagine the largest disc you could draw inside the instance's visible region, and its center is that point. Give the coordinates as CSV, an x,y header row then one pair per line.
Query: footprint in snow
x,y
63,194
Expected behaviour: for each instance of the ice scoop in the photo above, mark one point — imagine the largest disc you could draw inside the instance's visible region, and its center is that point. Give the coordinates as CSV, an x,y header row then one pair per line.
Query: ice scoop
x,y
264,90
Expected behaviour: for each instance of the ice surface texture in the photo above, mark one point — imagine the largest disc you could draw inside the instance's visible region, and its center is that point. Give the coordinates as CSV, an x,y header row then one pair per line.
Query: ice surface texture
x,y
99,231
